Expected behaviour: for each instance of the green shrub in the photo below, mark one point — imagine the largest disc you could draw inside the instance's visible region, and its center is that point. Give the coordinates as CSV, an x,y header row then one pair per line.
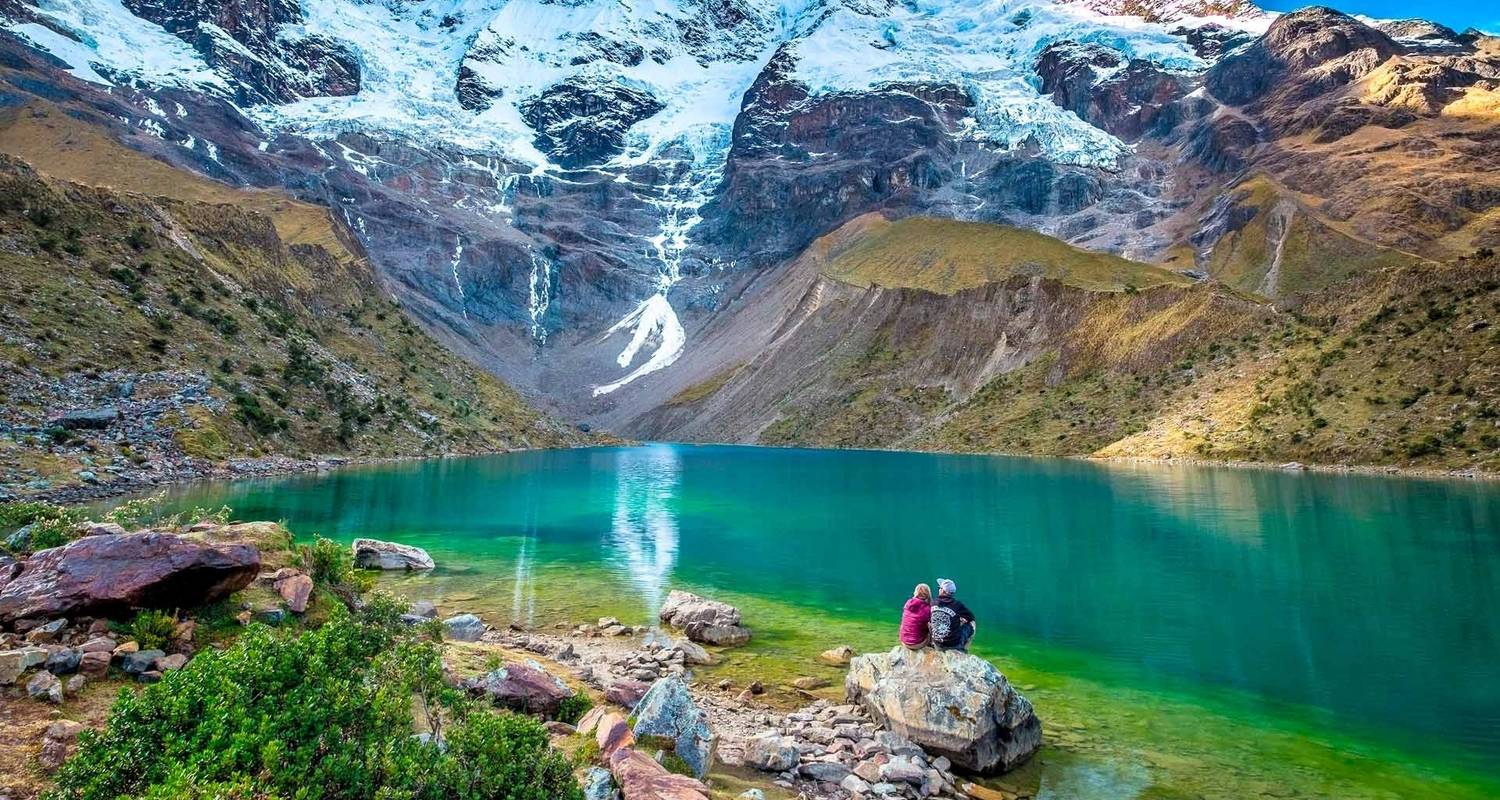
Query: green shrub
x,y
152,629
151,512
327,714
572,709
328,562
51,524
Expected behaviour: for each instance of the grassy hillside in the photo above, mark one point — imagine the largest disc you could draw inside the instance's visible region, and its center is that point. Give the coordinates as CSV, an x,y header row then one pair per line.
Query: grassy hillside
x,y
214,338
1376,358
62,146
1277,247
946,256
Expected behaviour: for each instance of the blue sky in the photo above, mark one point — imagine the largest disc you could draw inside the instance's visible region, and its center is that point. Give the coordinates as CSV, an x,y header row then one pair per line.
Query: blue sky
x,y
1456,14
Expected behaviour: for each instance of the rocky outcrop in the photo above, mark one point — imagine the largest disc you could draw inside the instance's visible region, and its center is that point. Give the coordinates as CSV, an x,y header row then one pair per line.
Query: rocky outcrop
x,y
949,703
704,620
109,575
254,43
1295,58
584,122
524,687
376,554
668,711
1123,96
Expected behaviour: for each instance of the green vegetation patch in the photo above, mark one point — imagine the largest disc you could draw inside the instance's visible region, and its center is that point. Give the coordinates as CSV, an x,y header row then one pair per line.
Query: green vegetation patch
x,y
948,256
318,715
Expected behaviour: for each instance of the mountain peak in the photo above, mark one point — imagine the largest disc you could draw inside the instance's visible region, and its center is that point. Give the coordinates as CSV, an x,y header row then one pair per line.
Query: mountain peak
x,y
1175,10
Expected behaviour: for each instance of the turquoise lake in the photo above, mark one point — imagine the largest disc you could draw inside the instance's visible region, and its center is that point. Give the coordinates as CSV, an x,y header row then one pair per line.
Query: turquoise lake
x,y
1184,631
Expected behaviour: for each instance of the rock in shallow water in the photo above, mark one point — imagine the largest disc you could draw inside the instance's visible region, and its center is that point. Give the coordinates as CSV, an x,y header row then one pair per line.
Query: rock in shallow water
x,y
704,620
376,554
463,628
950,703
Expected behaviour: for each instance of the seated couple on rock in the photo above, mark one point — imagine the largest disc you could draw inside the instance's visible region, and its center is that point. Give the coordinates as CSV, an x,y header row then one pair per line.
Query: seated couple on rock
x,y
947,624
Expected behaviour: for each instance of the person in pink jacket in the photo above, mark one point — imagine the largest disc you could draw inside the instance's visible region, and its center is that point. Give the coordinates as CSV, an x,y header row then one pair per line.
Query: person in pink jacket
x,y
914,617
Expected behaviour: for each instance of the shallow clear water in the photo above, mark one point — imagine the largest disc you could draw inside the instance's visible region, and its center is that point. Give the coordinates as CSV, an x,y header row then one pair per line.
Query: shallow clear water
x,y
1185,631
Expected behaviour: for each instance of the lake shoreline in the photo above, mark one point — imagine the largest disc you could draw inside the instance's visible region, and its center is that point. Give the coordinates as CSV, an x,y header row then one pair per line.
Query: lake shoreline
x,y
237,469
281,466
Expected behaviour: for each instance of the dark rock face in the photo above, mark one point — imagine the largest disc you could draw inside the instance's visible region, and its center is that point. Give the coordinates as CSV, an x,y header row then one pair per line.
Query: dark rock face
x,y
1096,83
1280,60
243,38
1212,42
799,165
107,575
584,123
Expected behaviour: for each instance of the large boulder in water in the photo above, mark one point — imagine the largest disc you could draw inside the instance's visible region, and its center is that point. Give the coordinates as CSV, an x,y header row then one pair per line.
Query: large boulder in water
x,y
950,703
704,620
375,554
109,575
522,687
668,711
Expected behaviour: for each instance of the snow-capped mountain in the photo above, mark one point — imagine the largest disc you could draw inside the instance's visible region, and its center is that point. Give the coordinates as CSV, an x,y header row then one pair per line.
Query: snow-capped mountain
x,y
568,190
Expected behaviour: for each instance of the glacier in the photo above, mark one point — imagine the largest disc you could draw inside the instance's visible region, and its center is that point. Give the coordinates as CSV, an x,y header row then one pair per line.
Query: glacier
x,y
695,65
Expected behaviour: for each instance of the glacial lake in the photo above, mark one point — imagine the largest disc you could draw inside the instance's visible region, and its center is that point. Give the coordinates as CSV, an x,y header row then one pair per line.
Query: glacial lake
x,y
1183,631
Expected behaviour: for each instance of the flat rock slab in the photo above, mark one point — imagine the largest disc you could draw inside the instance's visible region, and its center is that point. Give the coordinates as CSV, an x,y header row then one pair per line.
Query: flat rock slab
x,y
109,575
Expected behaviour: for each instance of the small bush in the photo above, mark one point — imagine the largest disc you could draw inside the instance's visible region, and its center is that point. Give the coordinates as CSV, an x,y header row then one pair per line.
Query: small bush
x,y
51,524
572,709
152,629
328,562
326,714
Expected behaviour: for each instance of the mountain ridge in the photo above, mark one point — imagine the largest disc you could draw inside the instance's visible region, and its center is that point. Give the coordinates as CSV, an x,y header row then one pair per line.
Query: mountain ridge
x,y
578,197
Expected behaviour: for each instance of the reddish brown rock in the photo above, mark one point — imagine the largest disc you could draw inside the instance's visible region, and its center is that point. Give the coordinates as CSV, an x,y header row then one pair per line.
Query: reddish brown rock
x,y
94,663
522,687
295,590
57,743
641,778
613,733
626,692
589,722
105,575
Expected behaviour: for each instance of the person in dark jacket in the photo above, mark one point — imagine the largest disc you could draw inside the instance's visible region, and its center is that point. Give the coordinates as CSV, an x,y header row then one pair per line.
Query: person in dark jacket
x,y
952,624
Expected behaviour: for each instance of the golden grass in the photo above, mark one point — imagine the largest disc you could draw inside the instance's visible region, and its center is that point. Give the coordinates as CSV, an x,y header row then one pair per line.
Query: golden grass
x,y
704,389
64,147
948,256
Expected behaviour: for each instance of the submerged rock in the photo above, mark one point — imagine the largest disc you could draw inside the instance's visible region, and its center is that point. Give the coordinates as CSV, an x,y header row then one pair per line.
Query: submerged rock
x,y
376,554
952,704
103,575
668,711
